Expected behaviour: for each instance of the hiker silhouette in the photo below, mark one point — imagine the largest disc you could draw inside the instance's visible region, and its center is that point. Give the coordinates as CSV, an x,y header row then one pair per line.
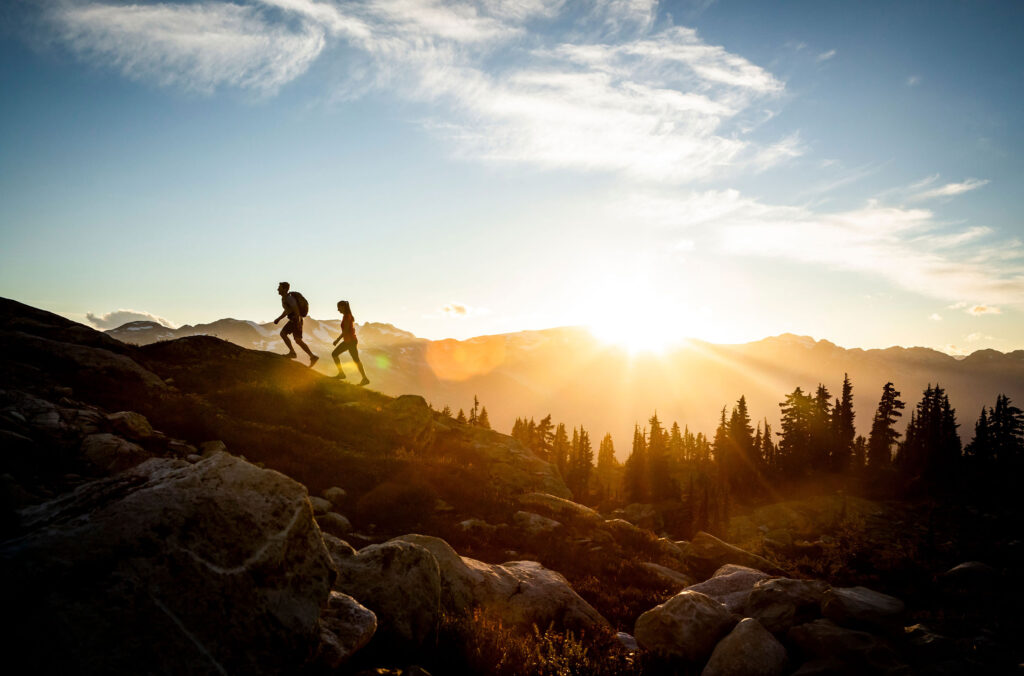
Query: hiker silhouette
x,y
348,342
295,308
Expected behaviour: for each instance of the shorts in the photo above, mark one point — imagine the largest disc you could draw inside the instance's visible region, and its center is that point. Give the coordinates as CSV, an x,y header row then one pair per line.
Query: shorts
x,y
349,345
294,327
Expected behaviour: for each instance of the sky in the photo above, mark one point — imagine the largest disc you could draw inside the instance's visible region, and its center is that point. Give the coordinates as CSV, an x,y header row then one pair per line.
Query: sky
x,y
724,170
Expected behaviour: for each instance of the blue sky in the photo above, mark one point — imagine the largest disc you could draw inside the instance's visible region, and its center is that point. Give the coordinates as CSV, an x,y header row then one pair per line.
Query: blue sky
x,y
726,170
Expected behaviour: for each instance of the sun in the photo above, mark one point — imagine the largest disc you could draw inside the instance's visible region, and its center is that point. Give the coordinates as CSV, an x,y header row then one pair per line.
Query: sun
x,y
635,317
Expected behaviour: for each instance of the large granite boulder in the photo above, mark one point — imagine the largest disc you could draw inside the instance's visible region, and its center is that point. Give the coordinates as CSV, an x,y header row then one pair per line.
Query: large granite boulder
x,y
748,650
686,627
111,453
401,583
346,626
730,586
783,603
863,608
213,567
706,554
558,508
824,645
520,593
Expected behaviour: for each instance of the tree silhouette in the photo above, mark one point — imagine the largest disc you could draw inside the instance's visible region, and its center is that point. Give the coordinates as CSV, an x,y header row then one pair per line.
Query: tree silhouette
x,y
882,433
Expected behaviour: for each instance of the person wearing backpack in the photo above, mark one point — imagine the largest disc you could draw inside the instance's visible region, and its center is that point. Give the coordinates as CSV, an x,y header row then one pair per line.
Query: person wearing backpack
x,y
295,308
348,342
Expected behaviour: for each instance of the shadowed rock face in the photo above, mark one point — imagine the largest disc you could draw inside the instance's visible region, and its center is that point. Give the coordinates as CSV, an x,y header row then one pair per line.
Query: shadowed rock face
x,y
215,567
686,627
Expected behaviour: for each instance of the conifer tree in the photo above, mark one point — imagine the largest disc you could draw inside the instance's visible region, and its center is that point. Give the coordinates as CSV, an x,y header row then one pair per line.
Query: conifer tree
x,y
932,445
741,443
545,434
882,433
860,452
483,420
475,411
795,438
721,446
821,428
446,411
635,478
1007,428
607,467
676,446
843,428
560,449
461,418
659,472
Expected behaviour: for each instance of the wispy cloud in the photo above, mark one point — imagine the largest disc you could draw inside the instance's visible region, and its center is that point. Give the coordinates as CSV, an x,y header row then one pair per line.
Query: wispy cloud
x,y
908,247
612,95
913,80
112,320
935,317
825,56
950,189
460,310
978,310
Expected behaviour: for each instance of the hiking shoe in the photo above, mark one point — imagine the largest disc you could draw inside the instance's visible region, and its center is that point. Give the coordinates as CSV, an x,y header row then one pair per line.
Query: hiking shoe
x,y
290,355
364,381
312,360
340,376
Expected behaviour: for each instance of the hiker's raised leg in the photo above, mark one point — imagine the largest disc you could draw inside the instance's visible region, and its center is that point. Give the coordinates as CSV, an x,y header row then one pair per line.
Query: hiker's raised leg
x,y
337,359
284,336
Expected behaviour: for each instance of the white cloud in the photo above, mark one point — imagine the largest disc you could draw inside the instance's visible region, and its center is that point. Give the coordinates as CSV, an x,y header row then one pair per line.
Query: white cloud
x,y
904,246
611,95
950,189
935,317
825,56
913,80
460,310
112,320
975,337
978,310
196,47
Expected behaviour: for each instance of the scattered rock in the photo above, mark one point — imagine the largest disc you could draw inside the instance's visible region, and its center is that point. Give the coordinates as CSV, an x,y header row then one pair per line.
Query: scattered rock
x,y
748,650
686,627
521,593
535,524
111,453
205,568
671,577
208,448
730,586
861,607
346,626
131,425
627,641
193,458
338,549
400,582
334,495
477,527
320,506
857,651
334,523
707,553
641,515
560,508
782,603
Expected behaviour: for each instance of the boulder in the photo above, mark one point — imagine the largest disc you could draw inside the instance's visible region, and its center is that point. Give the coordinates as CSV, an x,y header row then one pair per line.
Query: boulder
x,y
707,553
411,421
730,586
669,549
823,641
521,593
208,448
338,549
477,527
864,608
207,568
641,515
111,453
346,626
671,577
334,523
748,650
972,580
686,627
320,506
783,603
535,524
334,495
558,508
623,530
400,582
131,425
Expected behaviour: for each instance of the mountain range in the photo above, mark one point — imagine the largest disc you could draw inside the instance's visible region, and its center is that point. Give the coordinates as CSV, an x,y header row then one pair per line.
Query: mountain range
x,y
580,380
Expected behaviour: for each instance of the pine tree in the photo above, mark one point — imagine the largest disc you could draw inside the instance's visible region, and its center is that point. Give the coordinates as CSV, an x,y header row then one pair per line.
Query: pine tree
x,y
932,446
483,420
475,411
461,418
580,465
882,433
768,454
635,478
560,449
741,440
721,445
1007,424
446,411
607,467
545,434
676,445
843,428
860,452
795,438
659,472
821,428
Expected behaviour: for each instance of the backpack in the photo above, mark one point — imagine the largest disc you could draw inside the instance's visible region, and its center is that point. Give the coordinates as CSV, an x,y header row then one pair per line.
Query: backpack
x,y
301,301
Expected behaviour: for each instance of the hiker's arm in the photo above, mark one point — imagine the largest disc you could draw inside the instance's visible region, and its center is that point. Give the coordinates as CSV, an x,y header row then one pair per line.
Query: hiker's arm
x,y
283,314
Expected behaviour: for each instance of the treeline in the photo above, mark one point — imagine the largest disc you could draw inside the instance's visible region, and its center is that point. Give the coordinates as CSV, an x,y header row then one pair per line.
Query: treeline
x,y
816,436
